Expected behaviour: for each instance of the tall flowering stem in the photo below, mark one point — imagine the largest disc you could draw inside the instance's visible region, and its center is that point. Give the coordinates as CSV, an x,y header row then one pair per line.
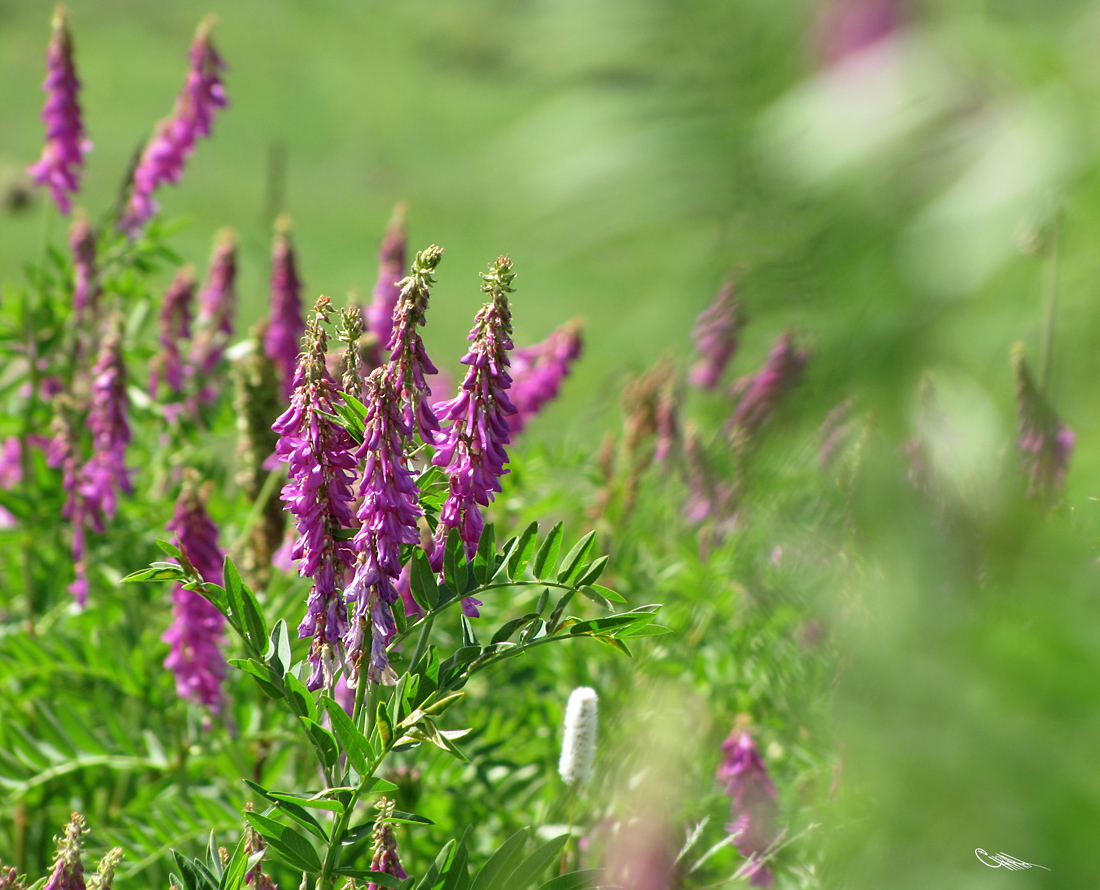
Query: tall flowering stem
x,y
471,449
716,336
388,514
175,328
197,631
68,869
349,332
285,327
385,858
217,305
408,359
538,372
85,289
754,808
1045,444
63,153
391,271
174,141
318,495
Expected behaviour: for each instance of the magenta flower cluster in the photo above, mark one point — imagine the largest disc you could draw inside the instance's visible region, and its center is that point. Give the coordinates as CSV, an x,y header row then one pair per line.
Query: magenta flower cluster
x,y
282,342
85,289
716,337
63,153
754,809
391,272
217,305
105,473
762,392
538,372
174,141
318,452
471,448
175,327
196,634
1044,443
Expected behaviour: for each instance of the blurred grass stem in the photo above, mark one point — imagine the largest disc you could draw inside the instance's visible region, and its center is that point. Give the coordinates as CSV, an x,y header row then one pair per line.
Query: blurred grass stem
x,y
1050,307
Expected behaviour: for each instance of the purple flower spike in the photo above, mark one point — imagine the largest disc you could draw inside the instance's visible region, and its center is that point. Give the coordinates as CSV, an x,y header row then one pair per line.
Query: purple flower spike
x,y
85,290
716,337
389,512
1045,444
761,393
409,362
197,631
68,869
385,858
217,304
106,470
174,141
538,371
754,803
319,495
391,271
63,153
175,327
471,449
283,339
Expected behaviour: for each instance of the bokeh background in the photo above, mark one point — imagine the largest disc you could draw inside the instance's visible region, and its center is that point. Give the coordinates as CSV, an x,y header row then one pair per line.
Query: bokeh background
x,y
909,187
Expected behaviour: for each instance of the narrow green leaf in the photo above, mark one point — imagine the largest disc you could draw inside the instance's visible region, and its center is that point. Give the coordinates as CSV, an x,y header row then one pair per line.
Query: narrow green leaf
x,y
555,616
324,740
171,549
590,573
425,588
293,809
436,868
160,573
234,596
485,558
399,617
611,622
278,653
385,727
576,557
468,636
547,557
522,551
381,878
609,593
457,875
261,673
286,842
535,865
455,568
595,597
239,593
505,631
502,863
574,880
351,739
300,698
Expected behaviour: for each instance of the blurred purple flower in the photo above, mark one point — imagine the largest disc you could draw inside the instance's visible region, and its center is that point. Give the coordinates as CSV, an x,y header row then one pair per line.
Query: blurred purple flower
x,y
755,807
174,141
538,371
283,340
321,469
106,472
708,498
175,327
762,392
716,337
1045,444
217,305
389,511
391,271
847,27
68,869
409,362
196,634
471,449
63,153
85,290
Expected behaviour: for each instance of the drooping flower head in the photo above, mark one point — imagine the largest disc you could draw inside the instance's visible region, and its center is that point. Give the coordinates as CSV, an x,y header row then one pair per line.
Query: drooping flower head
x,y
174,141
538,372
408,359
85,290
385,858
106,470
318,494
716,337
391,271
197,632
388,514
283,339
471,449
175,328
1045,444
217,305
63,153
761,393
68,869
754,808
578,745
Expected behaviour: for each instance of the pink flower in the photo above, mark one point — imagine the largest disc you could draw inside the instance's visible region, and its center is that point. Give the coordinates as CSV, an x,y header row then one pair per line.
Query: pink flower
x,y
391,271
755,806
63,153
217,305
538,372
761,393
85,290
283,339
716,337
175,328
165,154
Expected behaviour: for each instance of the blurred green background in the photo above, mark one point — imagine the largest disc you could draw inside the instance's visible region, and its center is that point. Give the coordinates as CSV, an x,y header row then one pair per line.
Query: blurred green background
x,y
905,210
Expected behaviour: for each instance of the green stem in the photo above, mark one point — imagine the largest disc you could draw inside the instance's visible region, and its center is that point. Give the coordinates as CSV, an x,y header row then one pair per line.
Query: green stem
x,y
569,830
332,857
422,641
1050,306
360,695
